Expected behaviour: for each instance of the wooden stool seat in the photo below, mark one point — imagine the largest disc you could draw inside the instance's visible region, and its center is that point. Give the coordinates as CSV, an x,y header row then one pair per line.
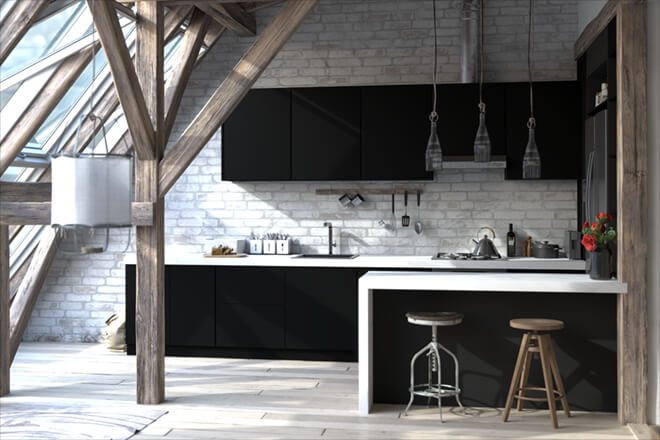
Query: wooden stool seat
x,y
536,342
435,318
536,324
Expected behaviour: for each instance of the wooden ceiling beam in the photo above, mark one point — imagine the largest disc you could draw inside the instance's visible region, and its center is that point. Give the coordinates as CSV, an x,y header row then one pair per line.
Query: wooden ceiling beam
x,y
184,63
28,291
234,17
174,19
232,90
124,77
255,6
41,107
25,191
5,332
17,22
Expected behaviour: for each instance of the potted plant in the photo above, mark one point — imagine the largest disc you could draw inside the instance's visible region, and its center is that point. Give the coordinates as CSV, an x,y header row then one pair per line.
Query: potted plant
x,y
596,239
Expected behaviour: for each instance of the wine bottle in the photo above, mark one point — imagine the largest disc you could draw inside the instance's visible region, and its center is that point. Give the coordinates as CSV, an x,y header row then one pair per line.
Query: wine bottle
x,y
510,242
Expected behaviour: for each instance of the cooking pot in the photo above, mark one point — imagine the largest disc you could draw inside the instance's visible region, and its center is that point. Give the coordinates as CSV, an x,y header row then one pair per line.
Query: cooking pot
x,y
485,248
545,250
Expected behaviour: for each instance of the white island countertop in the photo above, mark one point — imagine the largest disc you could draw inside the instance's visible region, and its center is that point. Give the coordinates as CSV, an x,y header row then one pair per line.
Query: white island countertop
x,y
376,262
442,282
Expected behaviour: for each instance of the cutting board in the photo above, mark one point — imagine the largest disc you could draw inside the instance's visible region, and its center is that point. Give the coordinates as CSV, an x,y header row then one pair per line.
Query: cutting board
x,y
225,256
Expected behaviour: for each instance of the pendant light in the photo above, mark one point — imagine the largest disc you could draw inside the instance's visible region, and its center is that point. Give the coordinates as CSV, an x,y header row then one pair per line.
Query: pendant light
x,y
482,140
532,158
433,149
91,191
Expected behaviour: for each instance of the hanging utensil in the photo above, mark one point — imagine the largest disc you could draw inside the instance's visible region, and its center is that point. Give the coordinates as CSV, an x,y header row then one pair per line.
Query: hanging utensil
x,y
393,222
405,220
419,227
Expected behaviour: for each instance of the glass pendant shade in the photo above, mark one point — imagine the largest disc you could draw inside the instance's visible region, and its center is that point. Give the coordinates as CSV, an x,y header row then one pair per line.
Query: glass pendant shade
x,y
433,150
482,140
91,191
532,158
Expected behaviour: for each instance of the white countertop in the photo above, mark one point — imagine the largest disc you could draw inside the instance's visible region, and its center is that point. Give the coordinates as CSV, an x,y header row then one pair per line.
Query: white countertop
x,y
376,262
490,282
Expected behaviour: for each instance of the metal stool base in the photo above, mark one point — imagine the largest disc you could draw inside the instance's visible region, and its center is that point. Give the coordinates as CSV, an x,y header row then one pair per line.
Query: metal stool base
x,y
435,390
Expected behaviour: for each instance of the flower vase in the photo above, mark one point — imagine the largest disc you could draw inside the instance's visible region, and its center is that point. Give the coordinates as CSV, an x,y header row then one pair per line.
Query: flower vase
x,y
600,267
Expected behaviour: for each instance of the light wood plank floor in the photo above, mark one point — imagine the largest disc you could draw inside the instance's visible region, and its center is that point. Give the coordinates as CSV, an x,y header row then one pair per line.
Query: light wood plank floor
x,y
265,399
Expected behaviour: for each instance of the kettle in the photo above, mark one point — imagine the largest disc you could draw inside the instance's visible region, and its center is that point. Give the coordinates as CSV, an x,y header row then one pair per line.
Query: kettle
x,y
485,247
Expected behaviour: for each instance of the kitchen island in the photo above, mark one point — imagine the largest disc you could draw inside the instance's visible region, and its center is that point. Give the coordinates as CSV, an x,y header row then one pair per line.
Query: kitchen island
x,y
487,300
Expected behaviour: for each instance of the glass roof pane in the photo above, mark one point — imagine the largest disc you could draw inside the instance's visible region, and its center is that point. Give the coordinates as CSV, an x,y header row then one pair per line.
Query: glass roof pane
x,y
12,174
69,99
42,39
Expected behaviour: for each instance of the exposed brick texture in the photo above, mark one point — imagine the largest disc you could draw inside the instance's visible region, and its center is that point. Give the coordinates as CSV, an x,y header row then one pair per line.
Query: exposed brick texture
x,y
342,42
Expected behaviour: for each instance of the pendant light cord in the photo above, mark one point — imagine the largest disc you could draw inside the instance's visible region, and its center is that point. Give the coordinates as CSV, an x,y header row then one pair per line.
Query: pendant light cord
x,y
482,106
532,121
434,114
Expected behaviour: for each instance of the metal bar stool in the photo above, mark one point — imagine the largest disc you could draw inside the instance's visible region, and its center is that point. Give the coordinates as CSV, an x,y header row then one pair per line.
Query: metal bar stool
x,y
536,342
430,389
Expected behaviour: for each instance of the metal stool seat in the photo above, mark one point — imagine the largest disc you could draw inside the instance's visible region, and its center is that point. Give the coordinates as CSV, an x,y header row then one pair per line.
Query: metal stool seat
x,y
436,390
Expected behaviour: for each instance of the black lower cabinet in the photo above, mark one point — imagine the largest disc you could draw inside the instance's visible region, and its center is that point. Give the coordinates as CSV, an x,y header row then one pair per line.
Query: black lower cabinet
x,y
190,300
321,309
249,310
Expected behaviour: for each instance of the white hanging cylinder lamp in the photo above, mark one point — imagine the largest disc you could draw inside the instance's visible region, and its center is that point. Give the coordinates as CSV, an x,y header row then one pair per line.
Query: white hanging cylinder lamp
x,y
91,191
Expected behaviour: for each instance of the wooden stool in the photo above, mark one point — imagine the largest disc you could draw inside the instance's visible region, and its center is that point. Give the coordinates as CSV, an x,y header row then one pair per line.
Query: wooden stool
x,y
430,389
536,339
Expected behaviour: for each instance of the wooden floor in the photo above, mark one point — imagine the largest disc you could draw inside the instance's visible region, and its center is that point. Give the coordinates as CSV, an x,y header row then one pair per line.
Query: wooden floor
x,y
263,399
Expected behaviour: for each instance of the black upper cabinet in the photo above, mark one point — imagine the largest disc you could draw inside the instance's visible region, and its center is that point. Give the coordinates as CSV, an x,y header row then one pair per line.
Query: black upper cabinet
x,y
558,131
256,138
458,118
325,138
190,296
395,130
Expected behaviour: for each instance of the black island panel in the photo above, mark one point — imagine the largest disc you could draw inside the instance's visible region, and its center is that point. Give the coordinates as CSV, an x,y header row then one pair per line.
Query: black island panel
x,y
487,347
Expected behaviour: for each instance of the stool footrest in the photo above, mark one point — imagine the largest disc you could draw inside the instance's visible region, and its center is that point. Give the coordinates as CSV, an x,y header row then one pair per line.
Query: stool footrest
x,y
425,391
518,395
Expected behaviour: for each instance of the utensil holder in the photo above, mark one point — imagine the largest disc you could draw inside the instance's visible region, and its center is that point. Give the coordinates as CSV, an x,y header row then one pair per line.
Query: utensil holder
x,y
270,247
256,246
283,247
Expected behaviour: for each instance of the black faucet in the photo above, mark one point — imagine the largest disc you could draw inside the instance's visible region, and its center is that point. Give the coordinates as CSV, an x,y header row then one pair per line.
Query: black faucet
x,y
330,243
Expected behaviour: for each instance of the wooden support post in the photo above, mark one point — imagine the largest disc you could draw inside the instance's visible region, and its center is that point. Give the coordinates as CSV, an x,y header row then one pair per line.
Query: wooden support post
x,y
232,90
150,254
17,22
5,352
632,210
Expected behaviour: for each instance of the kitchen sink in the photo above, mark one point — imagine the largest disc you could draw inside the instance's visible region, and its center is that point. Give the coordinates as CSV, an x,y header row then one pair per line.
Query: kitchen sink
x,y
340,256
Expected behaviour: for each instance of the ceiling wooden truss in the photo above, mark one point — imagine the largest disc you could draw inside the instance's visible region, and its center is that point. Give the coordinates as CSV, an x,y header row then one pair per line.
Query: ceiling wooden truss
x,y
150,103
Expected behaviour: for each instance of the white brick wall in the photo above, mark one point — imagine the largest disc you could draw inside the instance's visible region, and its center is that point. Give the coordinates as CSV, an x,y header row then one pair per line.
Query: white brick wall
x,y
342,42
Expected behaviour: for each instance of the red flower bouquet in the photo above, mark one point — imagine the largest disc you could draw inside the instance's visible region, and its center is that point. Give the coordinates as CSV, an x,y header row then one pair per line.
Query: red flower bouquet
x,y
599,234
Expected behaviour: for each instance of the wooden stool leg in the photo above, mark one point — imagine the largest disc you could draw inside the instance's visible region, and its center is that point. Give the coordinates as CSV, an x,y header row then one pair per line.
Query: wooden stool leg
x,y
523,379
513,388
547,377
558,381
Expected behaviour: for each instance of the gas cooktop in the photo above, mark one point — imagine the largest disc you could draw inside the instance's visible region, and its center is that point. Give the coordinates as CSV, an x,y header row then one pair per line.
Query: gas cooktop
x,y
460,256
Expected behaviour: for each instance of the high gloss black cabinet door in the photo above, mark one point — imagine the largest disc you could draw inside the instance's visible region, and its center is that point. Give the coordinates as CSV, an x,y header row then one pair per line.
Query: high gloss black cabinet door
x,y
321,309
325,133
558,128
395,130
458,118
256,139
190,297
249,309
